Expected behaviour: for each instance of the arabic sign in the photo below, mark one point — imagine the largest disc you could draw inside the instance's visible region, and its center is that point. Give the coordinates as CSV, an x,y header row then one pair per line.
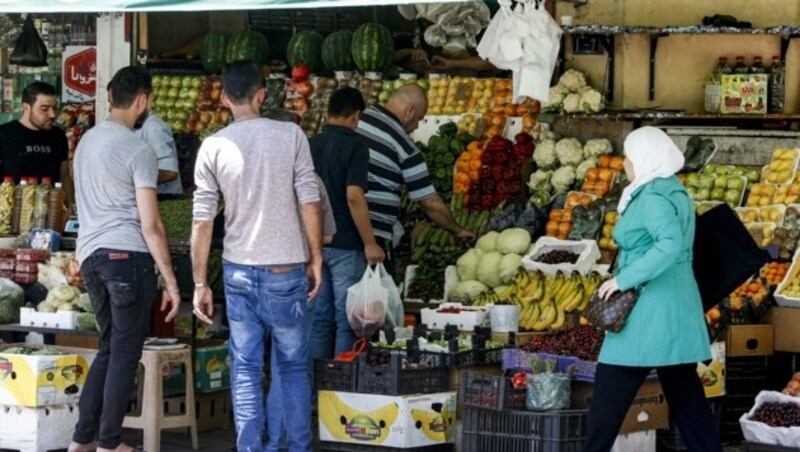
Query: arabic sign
x,y
79,74
75,6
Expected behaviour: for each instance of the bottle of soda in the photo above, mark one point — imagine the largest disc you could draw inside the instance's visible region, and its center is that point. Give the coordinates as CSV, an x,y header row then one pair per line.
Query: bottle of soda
x,y
55,215
740,67
42,203
722,68
777,76
758,66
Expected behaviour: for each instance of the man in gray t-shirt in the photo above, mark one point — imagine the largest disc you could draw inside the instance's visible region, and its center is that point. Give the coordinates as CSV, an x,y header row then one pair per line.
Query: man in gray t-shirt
x,y
120,237
156,133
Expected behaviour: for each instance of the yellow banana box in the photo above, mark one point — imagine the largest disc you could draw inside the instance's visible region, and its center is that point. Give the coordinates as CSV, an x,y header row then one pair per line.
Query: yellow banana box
x,y
212,370
390,421
713,374
42,380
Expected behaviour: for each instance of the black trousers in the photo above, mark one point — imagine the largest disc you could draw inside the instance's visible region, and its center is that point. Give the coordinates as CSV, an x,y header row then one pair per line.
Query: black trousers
x,y
616,387
122,286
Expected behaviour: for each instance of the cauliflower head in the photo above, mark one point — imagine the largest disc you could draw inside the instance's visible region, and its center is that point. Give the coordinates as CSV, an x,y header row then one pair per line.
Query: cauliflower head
x,y
572,103
572,80
555,98
563,178
548,135
591,102
569,151
597,147
545,154
540,179
580,171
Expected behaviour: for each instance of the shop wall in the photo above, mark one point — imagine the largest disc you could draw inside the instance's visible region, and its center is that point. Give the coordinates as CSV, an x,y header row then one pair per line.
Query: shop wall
x,y
165,36
683,62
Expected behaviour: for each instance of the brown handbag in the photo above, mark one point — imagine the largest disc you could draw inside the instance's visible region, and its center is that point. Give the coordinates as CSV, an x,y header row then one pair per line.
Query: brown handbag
x,y
611,314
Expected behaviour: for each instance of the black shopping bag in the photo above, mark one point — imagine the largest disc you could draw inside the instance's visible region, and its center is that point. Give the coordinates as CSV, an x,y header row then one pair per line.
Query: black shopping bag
x,y
29,49
725,254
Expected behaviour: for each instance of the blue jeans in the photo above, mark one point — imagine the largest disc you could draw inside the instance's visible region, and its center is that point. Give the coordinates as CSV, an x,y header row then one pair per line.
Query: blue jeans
x,y
331,333
263,303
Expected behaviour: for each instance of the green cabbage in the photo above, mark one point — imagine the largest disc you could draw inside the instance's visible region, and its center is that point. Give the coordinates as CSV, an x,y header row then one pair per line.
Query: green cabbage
x,y
513,241
509,265
468,265
489,269
488,242
466,292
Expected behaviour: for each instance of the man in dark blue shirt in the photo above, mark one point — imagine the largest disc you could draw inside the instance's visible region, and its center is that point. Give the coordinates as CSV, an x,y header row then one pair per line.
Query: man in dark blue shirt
x,y
342,162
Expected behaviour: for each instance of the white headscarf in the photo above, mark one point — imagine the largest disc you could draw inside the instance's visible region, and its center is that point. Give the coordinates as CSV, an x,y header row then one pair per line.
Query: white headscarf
x,y
654,155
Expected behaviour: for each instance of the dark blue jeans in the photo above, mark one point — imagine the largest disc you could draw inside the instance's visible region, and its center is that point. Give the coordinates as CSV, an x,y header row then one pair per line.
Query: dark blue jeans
x,y
261,303
122,286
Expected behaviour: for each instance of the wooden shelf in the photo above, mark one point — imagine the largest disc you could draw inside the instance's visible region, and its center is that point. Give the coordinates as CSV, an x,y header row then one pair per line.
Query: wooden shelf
x,y
32,329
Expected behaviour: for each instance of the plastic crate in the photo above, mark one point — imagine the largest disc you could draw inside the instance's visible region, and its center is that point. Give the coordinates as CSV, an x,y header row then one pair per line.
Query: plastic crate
x,y
514,358
485,429
755,447
466,358
490,391
332,375
671,439
328,446
429,377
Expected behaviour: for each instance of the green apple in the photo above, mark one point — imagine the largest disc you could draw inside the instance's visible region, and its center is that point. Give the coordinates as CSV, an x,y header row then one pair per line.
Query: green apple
x,y
388,85
384,96
186,81
424,84
737,183
399,83
163,92
692,192
723,169
177,125
752,175
693,179
738,171
174,93
175,82
718,194
156,81
197,82
733,196
710,169
721,182
706,181
169,103
703,194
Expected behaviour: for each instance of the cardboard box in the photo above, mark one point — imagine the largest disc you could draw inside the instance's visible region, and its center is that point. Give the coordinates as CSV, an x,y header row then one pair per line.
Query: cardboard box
x,y
649,410
212,367
713,374
750,340
401,422
743,93
37,429
34,381
785,322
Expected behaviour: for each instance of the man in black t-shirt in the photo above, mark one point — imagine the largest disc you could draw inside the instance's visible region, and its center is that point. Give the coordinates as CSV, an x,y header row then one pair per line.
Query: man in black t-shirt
x,y
33,146
342,162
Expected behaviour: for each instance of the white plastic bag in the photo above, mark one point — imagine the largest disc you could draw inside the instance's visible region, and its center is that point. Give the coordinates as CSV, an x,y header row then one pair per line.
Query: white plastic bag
x,y
757,432
367,303
394,305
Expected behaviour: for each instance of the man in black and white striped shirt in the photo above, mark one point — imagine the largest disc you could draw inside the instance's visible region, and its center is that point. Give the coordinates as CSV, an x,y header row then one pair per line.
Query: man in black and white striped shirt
x,y
395,160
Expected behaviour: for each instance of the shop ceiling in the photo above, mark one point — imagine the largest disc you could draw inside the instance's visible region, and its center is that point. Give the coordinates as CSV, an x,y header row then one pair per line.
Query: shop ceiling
x,y
87,6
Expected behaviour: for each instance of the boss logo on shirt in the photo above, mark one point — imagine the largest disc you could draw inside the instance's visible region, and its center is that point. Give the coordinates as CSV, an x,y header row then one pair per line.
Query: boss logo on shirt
x,y
37,149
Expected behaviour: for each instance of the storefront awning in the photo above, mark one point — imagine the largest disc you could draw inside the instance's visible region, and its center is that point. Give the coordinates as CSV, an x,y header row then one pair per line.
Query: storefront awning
x,y
83,6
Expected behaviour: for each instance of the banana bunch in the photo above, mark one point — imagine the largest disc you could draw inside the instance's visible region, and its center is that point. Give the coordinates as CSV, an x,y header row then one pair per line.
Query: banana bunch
x,y
545,300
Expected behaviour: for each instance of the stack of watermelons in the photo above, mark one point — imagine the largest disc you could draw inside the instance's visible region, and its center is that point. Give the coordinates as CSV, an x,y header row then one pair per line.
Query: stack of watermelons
x,y
220,49
368,49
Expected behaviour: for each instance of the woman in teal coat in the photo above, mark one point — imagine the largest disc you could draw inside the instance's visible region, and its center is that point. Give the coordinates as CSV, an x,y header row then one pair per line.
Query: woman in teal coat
x,y
666,329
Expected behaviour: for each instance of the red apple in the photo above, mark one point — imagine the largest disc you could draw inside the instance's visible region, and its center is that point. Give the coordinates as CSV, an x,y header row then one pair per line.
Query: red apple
x,y
300,73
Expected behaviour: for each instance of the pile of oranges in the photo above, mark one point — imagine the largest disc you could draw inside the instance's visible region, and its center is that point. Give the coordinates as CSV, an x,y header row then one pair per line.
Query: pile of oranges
x,y
774,272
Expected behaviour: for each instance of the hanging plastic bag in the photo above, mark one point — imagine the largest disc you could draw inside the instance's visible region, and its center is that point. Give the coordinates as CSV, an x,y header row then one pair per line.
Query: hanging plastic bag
x,y
29,49
367,303
395,317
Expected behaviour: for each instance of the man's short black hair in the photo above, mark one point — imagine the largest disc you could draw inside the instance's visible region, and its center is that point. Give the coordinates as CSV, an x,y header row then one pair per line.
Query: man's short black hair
x,y
36,89
127,84
241,80
344,102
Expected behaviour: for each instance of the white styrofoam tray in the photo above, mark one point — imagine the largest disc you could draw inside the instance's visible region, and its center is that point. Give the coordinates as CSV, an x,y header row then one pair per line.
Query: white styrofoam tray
x,y
466,320
587,250
60,319
783,300
757,432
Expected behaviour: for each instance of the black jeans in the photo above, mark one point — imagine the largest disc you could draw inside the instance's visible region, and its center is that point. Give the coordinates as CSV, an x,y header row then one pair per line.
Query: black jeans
x,y
616,387
122,287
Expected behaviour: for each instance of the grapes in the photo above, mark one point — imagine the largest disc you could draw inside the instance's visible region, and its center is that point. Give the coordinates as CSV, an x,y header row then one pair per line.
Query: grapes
x,y
582,342
558,257
778,414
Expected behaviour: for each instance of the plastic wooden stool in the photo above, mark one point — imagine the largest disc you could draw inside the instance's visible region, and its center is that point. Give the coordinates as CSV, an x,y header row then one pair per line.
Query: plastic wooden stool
x,y
151,398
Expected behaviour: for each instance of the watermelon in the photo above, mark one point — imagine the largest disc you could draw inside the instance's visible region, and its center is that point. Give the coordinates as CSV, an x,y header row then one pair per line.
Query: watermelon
x,y
337,51
248,45
215,44
372,47
305,47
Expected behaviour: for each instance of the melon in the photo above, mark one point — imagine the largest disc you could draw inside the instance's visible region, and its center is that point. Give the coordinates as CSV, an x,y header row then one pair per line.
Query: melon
x,y
212,54
372,47
248,45
305,47
337,51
